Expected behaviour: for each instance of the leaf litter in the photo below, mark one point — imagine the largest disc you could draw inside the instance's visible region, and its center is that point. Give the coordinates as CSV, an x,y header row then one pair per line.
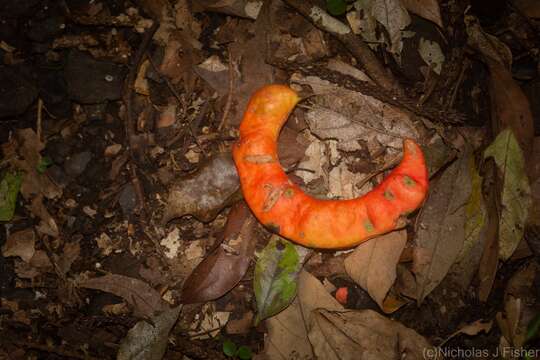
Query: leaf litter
x,y
114,273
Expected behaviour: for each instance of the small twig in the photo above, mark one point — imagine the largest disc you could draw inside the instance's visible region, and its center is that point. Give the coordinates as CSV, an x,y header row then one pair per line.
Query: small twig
x,y
59,350
129,123
355,44
39,118
167,81
392,163
227,108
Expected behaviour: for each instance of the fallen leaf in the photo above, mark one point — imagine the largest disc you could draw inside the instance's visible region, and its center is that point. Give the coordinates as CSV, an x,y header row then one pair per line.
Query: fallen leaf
x,y
516,192
441,231
395,18
9,189
148,339
345,334
466,265
372,265
491,190
145,301
276,274
223,269
24,154
210,324
70,253
47,224
243,8
21,244
205,193
431,53
427,9
471,329
288,330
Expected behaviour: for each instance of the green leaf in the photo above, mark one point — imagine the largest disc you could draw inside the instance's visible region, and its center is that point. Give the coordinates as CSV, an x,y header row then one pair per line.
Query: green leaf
x,y
229,348
9,188
44,164
276,273
244,353
336,7
516,193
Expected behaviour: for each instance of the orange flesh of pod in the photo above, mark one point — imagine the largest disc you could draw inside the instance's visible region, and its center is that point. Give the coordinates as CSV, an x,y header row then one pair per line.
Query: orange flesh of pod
x,y
284,208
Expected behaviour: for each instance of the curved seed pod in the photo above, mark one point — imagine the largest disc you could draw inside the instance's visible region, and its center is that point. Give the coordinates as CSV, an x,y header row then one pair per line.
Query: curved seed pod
x,y
285,209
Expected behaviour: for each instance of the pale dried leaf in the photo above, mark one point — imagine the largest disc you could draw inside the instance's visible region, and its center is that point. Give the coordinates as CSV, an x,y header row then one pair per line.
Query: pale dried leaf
x,y
431,53
144,300
441,231
205,193
148,339
345,334
21,244
372,265
394,17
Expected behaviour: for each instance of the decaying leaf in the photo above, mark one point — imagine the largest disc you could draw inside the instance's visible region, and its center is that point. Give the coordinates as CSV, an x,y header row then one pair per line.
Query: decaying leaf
x,y
23,153
148,339
472,329
467,262
210,324
145,301
21,244
349,116
516,192
431,53
394,17
243,8
288,330
345,334
441,232
316,326
276,274
9,189
224,267
205,193
372,265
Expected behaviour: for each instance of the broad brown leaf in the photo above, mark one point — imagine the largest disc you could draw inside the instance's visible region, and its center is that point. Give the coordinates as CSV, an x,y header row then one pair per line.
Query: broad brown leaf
x,y
223,269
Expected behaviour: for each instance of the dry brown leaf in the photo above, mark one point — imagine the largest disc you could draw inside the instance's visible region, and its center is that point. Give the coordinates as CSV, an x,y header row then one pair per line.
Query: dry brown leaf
x,y
23,153
70,253
441,231
428,9
472,329
287,331
287,335
144,300
205,193
372,265
243,8
21,244
47,225
346,334
224,267
510,107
